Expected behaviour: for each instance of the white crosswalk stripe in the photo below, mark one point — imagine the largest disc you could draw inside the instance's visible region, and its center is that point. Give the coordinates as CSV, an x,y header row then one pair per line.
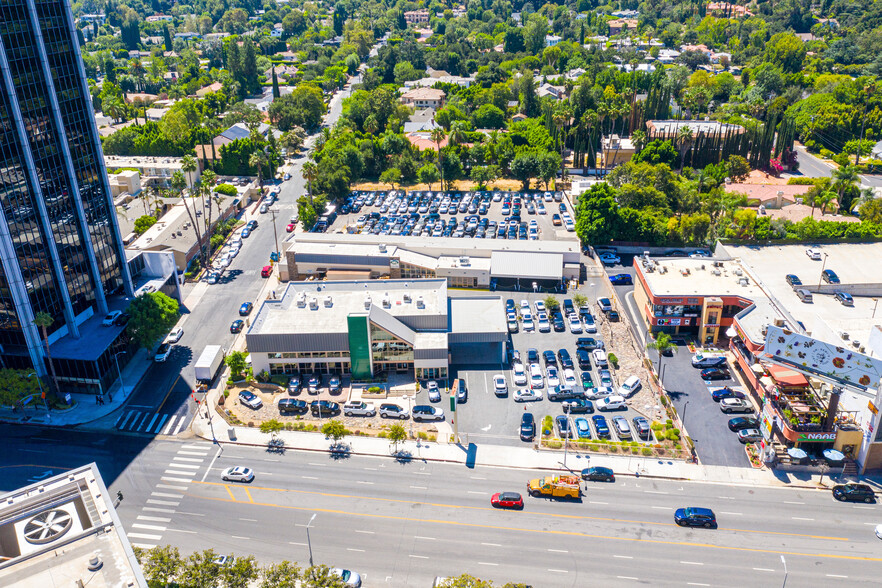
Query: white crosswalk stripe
x,y
148,422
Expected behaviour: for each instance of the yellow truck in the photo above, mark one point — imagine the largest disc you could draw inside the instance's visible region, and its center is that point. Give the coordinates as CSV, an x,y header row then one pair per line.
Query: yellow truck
x,y
555,487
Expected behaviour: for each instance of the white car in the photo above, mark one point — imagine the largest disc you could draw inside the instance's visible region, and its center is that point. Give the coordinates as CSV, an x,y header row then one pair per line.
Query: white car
x,y
599,392
162,352
569,379
614,402
536,378
630,387
575,324
526,395
349,577
175,335
433,390
499,385
813,253
600,358
108,320
525,305
540,305
359,408
544,325
528,323
213,277
237,474
553,379
610,259
520,374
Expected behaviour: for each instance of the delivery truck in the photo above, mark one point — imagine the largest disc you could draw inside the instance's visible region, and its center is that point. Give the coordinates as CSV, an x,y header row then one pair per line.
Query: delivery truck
x,y
209,363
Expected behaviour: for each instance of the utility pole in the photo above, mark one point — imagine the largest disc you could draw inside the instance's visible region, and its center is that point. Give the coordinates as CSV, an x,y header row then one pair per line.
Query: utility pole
x,y
275,232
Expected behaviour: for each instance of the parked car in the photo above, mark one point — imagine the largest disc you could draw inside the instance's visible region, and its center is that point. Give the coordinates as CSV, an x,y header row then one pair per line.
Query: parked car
x,y
293,406
830,276
393,411
500,388
174,335
715,373
610,259
630,386
236,326
321,408
335,386
359,408
730,405
563,427
519,374
695,517
641,427
601,429
433,390
854,493
578,406
622,427
726,392
349,578
245,309
604,304
427,413
621,280
250,399
749,435
612,316
583,358
574,323
700,360
507,500
600,357
294,385
793,280
598,474
804,295
614,402
526,395
844,298
237,474
108,320
552,375
588,343
813,253
741,423
528,426
162,352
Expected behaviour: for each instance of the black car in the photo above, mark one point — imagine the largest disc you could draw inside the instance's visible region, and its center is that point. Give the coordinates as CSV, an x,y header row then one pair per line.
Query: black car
x,y
726,392
598,474
613,316
550,358
252,224
558,324
566,362
641,427
324,408
830,276
568,306
695,517
528,426
578,406
292,406
237,325
122,319
793,280
854,493
714,373
532,355
741,423
584,359
587,381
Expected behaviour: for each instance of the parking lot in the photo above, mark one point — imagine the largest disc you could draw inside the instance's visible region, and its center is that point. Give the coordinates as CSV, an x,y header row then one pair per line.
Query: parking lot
x,y
478,215
489,418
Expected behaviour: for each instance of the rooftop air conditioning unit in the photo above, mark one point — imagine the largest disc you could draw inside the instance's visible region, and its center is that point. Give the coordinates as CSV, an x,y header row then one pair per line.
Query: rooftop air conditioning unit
x,y
329,301
738,272
844,335
382,247
301,299
765,330
407,298
855,343
313,303
716,272
779,322
420,302
464,260
367,302
387,302
743,281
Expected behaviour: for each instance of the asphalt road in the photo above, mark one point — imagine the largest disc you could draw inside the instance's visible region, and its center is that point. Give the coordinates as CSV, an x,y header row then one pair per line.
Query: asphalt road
x,y
405,523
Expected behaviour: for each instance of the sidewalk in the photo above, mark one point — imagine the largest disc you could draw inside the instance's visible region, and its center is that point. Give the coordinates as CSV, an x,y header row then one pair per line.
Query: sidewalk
x,y
487,455
85,409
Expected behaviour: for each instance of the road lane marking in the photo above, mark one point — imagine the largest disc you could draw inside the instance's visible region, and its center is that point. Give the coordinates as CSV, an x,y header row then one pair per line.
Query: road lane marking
x,y
487,563
270,459
692,563
230,491
147,546
154,519
148,527
730,513
836,576
866,507
559,550
371,469
662,507
556,571
193,514
312,463
492,544
364,482
476,492
174,479
422,473
248,493
478,478
764,569
353,549
178,473
726,497
421,537
654,492
249,520
627,578
214,459
199,447
153,509
196,453
483,508
792,502
596,502
801,519
309,477
419,488
166,495
365,532
240,537
196,460
145,536
624,556
418,556
696,584
294,543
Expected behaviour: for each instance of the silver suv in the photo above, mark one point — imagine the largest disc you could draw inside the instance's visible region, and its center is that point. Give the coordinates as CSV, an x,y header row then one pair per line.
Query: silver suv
x,y
393,411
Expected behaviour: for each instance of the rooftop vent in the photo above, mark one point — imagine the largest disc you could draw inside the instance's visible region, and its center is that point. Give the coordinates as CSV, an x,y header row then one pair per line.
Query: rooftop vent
x,y
738,272
301,299
715,272
387,302
329,302
844,335
407,298
743,281
779,322
367,302
464,260
313,303
420,302
382,247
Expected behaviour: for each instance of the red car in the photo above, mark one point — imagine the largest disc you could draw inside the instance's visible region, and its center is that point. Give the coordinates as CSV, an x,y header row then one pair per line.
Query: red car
x,y
267,271
507,500
289,228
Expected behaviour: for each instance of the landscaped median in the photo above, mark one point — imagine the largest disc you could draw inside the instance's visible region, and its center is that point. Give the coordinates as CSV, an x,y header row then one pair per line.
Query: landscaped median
x,y
667,442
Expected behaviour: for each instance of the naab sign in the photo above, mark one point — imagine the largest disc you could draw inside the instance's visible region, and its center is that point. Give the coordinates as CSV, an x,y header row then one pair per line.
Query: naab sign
x,y
822,359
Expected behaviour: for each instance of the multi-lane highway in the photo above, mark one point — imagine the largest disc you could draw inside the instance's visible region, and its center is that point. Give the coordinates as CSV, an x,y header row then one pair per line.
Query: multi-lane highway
x,y
405,523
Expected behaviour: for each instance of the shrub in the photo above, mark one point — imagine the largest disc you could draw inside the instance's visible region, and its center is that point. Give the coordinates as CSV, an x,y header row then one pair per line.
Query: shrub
x,y
841,159
613,448
826,153
802,181
374,390
422,435
646,451
226,189
656,426
613,360
664,400
555,444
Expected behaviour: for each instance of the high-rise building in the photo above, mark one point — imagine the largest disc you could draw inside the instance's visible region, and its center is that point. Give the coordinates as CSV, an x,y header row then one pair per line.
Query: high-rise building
x,y
60,247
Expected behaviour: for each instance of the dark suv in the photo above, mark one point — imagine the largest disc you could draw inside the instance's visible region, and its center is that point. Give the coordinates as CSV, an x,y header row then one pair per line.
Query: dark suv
x,y
830,276
292,406
566,362
528,426
584,359
854,493
324,407
695,517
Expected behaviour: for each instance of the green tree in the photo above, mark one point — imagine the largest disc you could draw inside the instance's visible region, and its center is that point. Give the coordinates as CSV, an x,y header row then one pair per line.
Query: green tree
x,y
271,427
483,175
16,385
161,565
524,167
656,152
236,361
551,303
321,576
143,223
239,572
334,429
579,300
280,575
549,164
391,176
428,174
598,220
44,320
661,344
739,169
489,116
438,136
304,107
153,316
396,435
466,581
276,92
201,569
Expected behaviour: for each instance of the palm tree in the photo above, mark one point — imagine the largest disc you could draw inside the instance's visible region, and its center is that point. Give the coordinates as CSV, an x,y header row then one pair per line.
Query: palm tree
x,y
113,107
44,320
684,143
189,165
824,199
457,132
258,159
846,176
562,116
662,344
310,172
588,121
178,183
638,139
438,137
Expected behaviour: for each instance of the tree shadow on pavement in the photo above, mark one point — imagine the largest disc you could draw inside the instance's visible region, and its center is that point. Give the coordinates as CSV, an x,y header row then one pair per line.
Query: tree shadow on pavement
x,y
340,451
276,446
676,394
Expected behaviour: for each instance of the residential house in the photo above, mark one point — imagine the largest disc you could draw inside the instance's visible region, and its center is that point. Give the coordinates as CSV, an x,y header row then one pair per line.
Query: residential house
x,y
420,126
423,115
98,19
772,196
424,98
154,171
215,87
188,36
621,25
412,17
519,117
574,74
668,129
552,40
727,9
125,182
155,114
555,92
626,13
616,150
668,56
159,18
422,140
702,48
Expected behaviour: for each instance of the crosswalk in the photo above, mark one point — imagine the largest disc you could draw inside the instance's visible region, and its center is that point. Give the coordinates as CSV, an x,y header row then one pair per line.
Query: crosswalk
x,y
139,421
152,523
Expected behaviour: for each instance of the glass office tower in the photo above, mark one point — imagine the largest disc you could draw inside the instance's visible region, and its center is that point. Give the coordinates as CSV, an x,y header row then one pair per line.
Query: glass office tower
x,y
60,247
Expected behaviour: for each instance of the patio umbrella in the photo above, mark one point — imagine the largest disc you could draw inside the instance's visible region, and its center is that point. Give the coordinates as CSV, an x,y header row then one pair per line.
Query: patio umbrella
x,y
797,453
833,457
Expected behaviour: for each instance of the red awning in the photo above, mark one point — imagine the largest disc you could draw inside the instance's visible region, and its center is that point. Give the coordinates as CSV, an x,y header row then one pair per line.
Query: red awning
x,y
786,376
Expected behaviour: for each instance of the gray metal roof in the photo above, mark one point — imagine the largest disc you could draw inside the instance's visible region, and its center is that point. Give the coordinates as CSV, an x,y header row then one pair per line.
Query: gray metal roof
x,y
530,266
477,315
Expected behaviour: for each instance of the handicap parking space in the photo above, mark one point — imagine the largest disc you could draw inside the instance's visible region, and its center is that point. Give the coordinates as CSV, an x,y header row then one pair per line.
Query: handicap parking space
x,y
481,215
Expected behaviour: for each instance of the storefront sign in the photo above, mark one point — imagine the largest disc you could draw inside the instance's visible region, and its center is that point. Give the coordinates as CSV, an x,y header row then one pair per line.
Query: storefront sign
x,y
670,301
670,322
817,436
393,264
872,407
711,326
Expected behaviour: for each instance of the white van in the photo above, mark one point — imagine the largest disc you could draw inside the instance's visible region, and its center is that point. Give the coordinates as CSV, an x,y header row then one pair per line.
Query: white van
x,y
630,387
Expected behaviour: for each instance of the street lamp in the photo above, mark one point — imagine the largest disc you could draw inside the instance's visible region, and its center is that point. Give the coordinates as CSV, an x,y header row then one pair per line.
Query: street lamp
x,y
42,394
823,265
683,416
783,561
309,543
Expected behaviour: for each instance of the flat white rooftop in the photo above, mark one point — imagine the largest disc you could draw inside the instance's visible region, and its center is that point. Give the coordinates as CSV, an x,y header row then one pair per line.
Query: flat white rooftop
x,y
685,277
